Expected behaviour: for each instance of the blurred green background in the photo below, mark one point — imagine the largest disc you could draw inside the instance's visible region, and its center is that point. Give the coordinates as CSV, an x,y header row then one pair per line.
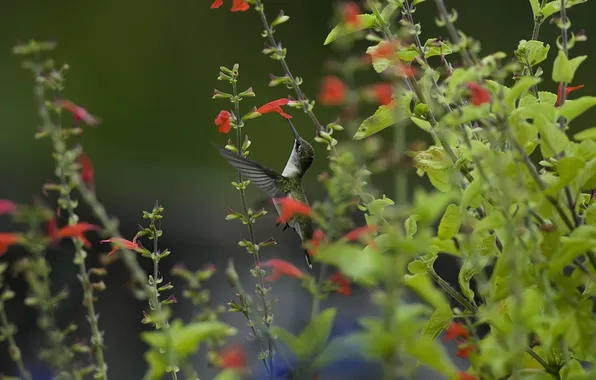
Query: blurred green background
x,y
148,69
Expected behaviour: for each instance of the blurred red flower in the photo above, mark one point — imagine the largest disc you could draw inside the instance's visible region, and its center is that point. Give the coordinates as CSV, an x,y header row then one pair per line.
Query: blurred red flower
x,y
351,11
318,238
87,174
233,357
6,240
118,242
77,230
479,95
79,113
456,330
237,5
333,91
461,375
291,207
382,92
281,268
344,285
7,207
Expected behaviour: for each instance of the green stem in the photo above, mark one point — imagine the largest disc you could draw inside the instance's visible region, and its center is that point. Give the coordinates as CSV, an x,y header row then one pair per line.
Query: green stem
x,y
267,315
14,351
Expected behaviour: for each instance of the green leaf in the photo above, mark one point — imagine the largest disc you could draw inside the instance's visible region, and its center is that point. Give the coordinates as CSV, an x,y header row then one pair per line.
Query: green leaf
x,y
475,262
428,206
564,69
535,7
365,21
422,285
380,63
532,52
157,365
423,124
519,88
450,222
578,242
431,48
555,6
552,140
466,114
383,117
315,335
363,266
586,134
432,354
471,195
410,226
439,321
568,168
293,342
437,164
228,374
388,11
573,108
341,348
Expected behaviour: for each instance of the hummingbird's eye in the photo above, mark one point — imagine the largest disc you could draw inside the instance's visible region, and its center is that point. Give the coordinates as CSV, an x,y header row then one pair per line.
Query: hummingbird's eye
x,y
298,144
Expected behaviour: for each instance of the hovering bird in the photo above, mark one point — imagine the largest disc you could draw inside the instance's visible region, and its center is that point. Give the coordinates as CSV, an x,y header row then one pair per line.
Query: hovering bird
x,y
286,184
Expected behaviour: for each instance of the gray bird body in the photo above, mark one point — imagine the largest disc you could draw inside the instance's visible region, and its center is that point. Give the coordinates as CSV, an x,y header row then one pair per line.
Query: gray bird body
x,y
286,184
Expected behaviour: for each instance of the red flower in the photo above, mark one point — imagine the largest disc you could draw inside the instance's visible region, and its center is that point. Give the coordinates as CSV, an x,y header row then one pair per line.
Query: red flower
x,y
52,229
77,230
233,357
456,330
275,106
240,6
281,268
7,207
118,242
358,232
290,207
407,71
350,14
479,95
87,171
461,375
318,237
223,121
384,50
333,91
383,92
344,285
79,113
237,5
463,350
6,240
568,89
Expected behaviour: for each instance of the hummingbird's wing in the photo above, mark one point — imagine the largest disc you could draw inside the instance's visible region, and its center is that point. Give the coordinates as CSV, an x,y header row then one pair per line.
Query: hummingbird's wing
x,y
262,177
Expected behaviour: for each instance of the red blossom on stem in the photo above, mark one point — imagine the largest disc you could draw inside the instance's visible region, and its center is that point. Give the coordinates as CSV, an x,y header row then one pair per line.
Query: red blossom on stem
x,y
79,113
464,350
456,330
216,4
6,240
87,174
233,357
77,231
118,242
384,50
333,91
318,238
223,121
7,207
291,207
237,5
478,94
275,106
52,229
568,90
355,234
350,12
340,280
281,268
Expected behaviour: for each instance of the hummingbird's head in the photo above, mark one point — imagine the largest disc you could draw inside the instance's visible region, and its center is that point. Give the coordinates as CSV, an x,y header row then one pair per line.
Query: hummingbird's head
x,y
301,157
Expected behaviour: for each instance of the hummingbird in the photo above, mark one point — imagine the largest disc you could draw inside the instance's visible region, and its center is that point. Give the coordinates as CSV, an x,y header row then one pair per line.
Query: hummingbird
x,y
286,184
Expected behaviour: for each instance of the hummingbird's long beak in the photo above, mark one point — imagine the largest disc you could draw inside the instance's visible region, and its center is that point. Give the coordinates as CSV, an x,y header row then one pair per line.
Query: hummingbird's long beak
x,y
296,135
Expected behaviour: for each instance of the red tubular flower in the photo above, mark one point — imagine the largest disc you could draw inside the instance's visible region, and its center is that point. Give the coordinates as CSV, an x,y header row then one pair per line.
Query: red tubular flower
x,y
79,113
118,242
456,330
233,357
7,207
479,95
385,50
281,268
350,14
461,375
318,238
77,230
52,229
333,91
275,106
382,92
344,285
358,232
87,171
291,207
216,4
6,240
568,89
240,6
223,121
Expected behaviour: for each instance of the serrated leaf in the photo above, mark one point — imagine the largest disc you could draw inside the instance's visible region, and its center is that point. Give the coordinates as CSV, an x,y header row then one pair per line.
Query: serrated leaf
x,y
564,69
383,117
573,108
365,21
533,51
439,321
586,134
432,50
519,88
450,222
